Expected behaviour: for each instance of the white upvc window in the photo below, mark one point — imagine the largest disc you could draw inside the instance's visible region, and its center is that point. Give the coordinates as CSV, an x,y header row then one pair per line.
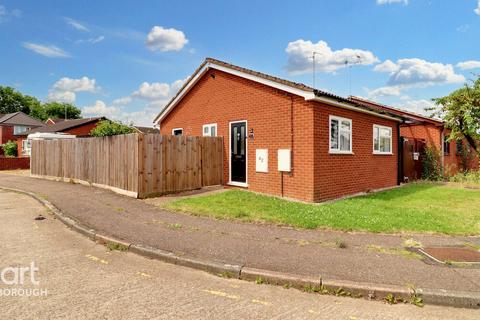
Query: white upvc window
x,y
210,130
19,129
382,139
177,131
340,135
26,147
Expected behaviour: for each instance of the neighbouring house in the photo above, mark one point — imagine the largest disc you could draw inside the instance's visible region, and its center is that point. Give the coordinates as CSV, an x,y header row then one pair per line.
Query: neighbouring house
x,y
146,130
12,125
50,121
77,127
285,138
419,131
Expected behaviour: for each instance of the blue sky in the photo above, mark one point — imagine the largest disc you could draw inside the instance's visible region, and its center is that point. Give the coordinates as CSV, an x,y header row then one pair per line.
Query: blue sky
x,y
125,59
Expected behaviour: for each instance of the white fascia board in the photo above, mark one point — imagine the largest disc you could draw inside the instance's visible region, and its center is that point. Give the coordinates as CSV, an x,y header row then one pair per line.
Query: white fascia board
x,y
350,107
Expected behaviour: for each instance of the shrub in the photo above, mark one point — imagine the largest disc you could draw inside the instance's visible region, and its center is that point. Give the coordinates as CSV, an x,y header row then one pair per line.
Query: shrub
x,y
10,149
432,167
106,128
467,177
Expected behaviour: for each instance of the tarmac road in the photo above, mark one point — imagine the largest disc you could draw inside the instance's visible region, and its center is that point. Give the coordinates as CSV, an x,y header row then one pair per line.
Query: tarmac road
x,y
86,281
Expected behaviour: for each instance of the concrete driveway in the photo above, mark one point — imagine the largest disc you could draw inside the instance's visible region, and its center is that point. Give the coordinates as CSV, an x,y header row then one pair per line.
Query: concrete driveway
x,y
85,281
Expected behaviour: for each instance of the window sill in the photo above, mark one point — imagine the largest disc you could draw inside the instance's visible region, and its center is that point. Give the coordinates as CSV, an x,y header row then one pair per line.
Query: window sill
x,y
383,153
341,152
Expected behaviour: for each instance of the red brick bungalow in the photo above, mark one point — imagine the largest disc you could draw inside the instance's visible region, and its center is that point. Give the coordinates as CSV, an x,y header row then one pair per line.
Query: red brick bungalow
x,y
77,127
13,124
429,131
326,146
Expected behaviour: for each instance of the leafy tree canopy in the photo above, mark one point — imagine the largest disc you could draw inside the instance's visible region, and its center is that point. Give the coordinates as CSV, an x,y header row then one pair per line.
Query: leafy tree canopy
x,y
461,112
12,100
57,110
106,128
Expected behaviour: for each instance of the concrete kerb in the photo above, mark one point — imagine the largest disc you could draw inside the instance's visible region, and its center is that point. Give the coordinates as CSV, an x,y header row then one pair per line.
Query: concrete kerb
x,y
348,288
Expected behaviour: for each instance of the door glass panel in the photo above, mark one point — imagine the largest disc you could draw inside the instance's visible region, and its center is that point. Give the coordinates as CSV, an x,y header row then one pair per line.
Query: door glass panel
x,y
242,140
235,140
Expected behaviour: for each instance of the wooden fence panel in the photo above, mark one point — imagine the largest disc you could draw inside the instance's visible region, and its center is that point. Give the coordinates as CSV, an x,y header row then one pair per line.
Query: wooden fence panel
x,y
144,165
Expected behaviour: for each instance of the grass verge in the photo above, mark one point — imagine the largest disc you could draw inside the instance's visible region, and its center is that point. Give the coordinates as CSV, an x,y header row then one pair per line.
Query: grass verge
x,y
416,207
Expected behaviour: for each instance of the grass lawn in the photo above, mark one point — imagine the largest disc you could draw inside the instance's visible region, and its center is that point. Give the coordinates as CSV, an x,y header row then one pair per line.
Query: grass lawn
x,y
419,207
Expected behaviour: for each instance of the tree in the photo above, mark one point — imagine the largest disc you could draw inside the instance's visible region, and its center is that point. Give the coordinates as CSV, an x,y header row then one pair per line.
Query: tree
x,y
461,112
106,128
13,101
56,110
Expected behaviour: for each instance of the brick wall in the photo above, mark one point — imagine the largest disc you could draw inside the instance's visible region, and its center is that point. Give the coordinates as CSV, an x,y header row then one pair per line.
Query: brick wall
x,y
14,163
430,133
82,131
6,134
339,175
274,115
226,98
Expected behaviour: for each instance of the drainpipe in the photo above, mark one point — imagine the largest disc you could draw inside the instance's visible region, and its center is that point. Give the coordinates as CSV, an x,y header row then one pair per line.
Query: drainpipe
x,y
399,155
442,149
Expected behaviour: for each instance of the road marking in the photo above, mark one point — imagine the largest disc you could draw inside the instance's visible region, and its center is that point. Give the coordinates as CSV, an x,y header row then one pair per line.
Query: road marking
x,y
313,312
265,303
222,294
93,258
145,275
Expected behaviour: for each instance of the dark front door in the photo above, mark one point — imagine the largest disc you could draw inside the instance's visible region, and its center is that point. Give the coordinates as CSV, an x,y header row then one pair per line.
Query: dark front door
x,y
238,152
412,159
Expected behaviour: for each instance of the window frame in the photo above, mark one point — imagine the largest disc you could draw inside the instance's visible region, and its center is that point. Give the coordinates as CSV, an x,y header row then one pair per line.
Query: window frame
x,y
338,151
176,129
379,136
24,129
209,126
26,147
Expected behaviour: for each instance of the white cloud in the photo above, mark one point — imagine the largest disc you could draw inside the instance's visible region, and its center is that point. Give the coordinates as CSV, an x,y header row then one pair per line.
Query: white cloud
x,y
162,39
414,73
157,94
99,109
463,28
61,96
122,101
385,92
470,64
6,14
64,89
392,1
477,9
76,85
386,66
152,91
91,40
421,72
300,57
143,117
76,25
50,51
417,106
